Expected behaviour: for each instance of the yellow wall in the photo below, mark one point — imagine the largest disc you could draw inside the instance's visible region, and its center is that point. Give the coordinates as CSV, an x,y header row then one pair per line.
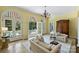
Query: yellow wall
x,y
47,25
0,28
72,22
25,15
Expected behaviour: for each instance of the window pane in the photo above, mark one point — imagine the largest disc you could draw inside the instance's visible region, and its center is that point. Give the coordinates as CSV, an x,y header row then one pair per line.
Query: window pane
x,y
8,24
18,25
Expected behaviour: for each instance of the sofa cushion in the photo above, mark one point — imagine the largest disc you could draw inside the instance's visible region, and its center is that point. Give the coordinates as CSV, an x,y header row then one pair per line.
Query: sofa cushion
x,y
47,46
55,48
40,38
37,41
38,46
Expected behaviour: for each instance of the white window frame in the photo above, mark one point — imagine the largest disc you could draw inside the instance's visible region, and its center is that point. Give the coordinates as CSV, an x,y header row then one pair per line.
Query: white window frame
x,y
13,24
38,27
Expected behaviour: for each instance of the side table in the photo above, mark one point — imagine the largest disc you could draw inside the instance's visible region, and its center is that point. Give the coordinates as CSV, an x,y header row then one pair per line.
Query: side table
x,y
5,41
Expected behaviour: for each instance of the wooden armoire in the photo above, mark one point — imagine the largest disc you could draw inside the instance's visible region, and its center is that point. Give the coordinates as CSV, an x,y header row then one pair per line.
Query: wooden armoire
x,y
62,26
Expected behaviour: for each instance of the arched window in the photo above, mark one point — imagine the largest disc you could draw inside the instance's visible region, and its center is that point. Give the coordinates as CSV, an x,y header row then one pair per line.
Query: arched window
x,y
13,21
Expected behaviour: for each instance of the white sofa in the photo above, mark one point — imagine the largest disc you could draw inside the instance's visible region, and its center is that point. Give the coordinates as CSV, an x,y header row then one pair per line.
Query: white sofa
x,y
37,46
59,36
62,37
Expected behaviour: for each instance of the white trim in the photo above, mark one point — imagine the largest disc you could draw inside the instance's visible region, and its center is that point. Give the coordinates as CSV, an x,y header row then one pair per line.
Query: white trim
x,y
38,28
30,19
44,25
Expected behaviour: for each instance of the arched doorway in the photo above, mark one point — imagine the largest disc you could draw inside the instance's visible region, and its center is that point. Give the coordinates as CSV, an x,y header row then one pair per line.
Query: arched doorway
x,y
35,27
32,31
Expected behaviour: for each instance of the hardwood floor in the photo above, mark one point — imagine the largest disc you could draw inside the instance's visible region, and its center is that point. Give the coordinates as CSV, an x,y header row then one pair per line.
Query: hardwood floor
x,y
22,46
17,47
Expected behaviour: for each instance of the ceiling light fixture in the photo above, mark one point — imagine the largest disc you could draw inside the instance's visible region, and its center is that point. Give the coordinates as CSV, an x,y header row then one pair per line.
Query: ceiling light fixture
x,y
46,14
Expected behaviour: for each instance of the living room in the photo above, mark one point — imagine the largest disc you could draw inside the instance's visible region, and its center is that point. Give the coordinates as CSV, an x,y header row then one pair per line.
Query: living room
x,y
23,24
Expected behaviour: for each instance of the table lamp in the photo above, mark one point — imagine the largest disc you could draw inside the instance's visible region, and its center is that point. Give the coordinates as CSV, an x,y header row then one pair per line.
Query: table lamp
x,y
4,30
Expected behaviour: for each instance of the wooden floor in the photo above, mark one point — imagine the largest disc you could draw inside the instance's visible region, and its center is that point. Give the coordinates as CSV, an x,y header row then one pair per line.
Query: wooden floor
x,y
22,46
17,47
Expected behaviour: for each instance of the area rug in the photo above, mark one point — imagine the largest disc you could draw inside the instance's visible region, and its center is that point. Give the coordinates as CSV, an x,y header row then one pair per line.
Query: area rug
x,y
65,48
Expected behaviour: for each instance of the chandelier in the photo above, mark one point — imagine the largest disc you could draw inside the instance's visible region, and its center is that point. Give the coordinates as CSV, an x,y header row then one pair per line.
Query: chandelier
x,y
46,14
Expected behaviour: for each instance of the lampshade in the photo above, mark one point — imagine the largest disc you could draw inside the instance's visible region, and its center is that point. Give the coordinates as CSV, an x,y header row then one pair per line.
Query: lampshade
x,y
4,28
52,32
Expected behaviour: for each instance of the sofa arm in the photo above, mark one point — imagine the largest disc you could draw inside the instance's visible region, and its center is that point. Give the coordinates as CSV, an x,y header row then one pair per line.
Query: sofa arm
x,y
55,49
36,48
62,38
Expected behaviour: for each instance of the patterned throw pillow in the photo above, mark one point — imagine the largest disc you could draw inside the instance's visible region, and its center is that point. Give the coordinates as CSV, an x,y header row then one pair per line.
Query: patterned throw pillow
x,y
40,38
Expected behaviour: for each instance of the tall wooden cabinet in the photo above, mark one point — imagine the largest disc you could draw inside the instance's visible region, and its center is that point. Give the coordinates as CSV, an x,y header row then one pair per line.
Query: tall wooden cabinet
x,y
63,26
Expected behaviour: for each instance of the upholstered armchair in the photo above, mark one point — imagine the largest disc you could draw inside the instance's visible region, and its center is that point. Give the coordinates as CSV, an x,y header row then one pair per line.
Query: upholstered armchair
x,y
62,37
59,36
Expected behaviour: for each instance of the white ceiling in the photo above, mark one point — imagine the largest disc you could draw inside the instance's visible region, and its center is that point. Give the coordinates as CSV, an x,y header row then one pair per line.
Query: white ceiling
x,y
55,10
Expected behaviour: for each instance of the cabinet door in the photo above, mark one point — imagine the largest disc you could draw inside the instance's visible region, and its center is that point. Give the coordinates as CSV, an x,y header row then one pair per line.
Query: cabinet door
x,y
65,27
59,26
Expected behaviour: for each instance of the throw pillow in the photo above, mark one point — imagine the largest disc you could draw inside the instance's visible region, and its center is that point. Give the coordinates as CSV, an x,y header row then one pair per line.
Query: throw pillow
x,y
56,48
40,38
45,45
